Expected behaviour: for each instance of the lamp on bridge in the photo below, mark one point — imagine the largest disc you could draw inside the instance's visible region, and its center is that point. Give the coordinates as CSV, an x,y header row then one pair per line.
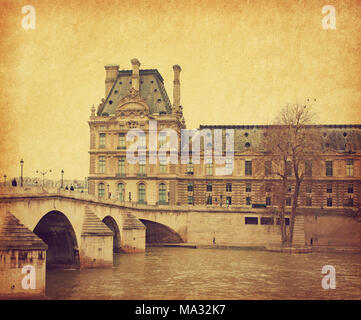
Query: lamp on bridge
x,y
62,178
21,177
43,173
4,180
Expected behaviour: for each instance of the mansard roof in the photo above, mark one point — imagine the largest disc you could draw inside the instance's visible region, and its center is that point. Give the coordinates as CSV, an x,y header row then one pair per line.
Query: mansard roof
x,y
151,89
332,137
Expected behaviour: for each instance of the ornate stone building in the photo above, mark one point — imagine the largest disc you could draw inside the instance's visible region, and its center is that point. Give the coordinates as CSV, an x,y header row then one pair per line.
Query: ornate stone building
x,y
134,97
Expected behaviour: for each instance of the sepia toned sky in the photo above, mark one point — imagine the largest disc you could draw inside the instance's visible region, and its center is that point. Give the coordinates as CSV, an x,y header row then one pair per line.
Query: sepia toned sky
x,y
242,61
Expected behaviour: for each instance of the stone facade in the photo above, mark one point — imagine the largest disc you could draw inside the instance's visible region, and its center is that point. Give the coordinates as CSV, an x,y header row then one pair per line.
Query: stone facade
x,y
134,97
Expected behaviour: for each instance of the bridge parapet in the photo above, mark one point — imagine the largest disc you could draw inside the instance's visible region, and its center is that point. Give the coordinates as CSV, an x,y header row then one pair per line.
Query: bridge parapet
x,y
38,192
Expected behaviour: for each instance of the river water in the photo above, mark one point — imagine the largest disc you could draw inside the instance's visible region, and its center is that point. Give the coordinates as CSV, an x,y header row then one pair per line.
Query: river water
x,y
184,273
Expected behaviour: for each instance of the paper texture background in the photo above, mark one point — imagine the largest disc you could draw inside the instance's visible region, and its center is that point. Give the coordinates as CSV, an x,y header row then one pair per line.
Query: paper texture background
x,y
242,61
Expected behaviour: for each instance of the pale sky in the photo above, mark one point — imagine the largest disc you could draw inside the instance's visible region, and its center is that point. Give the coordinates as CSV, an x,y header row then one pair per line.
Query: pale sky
x,y
242,61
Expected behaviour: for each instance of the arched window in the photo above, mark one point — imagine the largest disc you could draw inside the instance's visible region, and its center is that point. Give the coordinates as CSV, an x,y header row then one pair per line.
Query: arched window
x,y
101,190
162,193
141,193
121,191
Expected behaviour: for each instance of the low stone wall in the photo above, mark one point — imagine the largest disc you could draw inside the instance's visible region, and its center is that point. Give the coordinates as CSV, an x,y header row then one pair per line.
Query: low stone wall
x,y
333,230
230,229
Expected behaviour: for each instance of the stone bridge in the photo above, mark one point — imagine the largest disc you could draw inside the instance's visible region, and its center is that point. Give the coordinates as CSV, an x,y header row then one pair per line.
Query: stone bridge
x,y
82,230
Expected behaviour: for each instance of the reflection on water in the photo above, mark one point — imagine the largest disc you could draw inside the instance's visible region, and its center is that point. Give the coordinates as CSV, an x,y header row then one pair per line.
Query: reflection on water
x,y
182,273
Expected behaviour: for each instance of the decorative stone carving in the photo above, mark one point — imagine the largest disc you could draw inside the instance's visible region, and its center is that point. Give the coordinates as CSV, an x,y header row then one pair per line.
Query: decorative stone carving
x,y
132,124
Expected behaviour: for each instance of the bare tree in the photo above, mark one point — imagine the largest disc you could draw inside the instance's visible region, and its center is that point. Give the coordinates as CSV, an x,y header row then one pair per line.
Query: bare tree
x,y
292,144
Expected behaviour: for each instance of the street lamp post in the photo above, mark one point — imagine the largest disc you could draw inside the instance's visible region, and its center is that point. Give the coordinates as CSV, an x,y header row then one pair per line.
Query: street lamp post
x,y
4,180
21,177
62,178
43,173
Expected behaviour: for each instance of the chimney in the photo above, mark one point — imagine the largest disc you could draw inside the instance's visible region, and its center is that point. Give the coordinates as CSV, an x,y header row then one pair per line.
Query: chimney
x,y
111,72
176,86
135,74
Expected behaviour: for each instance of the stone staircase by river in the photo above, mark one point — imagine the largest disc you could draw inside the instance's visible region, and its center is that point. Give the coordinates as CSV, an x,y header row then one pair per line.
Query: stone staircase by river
x,y
299,232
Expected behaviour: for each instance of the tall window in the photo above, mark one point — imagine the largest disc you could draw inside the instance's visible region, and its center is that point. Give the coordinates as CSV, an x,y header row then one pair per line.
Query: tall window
x,y
190,167
162,165
229,201
288,201
229,166
329,188
308,201
350,188
190,187
209,200
268,168
141,193
229,187
101,164
142,141
101,140
268,201
349,167
190,200
162,193
248,201
121,191
289,168
329,202
101,190
121,165
209,187
329,168
121,142
248,187
248,168
142,170
309,188
308,168
162,138
209,167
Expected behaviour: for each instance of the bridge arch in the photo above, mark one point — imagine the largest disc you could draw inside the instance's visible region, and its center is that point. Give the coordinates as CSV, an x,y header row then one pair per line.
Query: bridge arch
x,y
112,225
160,233
55,229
